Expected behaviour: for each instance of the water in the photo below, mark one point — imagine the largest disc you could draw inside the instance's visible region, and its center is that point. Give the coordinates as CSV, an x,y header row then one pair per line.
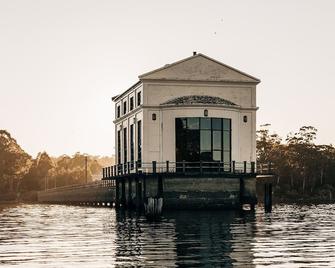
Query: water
x,y
68,236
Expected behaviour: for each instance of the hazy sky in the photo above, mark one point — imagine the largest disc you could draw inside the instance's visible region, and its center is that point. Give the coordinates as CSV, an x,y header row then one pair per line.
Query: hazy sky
x,y
61,61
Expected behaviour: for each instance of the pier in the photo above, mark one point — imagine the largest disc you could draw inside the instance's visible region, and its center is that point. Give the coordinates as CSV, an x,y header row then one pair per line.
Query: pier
x,y
181,185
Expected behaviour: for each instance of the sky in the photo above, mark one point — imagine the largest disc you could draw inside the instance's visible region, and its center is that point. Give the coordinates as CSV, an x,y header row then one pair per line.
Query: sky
x,y
61,61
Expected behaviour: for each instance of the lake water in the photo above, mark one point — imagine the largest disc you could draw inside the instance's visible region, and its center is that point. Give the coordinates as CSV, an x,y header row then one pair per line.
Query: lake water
x,y
69,236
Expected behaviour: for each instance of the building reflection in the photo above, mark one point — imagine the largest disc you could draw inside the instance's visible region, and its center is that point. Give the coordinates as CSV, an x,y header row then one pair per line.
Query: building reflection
x,y
186,239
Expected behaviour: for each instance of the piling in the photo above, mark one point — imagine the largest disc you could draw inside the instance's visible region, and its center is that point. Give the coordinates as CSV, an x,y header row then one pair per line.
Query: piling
x,y
268,197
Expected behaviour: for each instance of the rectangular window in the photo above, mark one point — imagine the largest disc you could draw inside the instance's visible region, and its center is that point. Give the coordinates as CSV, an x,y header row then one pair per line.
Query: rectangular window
x,y
203,139
118,111
132,146
139,142
125,156
131,104
119,147
125,107
139,100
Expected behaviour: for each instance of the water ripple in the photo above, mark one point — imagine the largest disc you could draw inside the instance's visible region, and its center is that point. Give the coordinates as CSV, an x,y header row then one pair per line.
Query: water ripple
x,y
68,236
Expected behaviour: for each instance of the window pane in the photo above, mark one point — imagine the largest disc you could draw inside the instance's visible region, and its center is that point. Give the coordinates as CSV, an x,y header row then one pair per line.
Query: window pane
x,y
193,122
217,123
205,123
226,156
217,155
217,144
226,124
226,140
206,156
192,146
205,140
181,123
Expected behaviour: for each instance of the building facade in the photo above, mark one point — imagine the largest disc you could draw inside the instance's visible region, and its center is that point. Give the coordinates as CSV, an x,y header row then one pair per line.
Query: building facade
x,y
196,109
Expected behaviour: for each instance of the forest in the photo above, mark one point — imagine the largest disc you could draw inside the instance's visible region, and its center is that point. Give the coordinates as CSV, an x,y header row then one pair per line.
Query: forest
x,y
20,172
304,170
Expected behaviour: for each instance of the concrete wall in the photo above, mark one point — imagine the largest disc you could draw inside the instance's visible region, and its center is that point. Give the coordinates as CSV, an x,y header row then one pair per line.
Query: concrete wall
x,y
202,192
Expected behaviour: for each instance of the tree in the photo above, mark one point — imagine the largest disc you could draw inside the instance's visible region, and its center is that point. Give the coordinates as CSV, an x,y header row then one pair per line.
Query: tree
x,y
14,162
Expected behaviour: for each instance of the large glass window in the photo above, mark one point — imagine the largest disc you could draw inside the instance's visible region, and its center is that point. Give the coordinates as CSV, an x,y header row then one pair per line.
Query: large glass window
x,y
125,156
119,147
125,107
132,146
139,141
131,104
139,98
203,139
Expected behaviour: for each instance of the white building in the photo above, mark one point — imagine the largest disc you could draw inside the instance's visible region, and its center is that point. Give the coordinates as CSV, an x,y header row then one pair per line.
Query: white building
x,y
196,109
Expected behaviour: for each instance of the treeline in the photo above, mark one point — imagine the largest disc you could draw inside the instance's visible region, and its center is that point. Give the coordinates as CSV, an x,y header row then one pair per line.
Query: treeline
x,y
304,170
19,172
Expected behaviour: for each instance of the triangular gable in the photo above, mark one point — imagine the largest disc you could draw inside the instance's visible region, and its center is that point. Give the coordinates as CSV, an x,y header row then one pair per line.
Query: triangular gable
x,y
199,68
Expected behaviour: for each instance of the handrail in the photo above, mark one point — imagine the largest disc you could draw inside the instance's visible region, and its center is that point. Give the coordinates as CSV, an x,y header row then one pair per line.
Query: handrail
x,y
138,167
96,184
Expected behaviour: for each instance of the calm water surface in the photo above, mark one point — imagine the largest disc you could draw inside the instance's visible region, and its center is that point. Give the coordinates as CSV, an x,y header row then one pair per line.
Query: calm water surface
x,y
68,236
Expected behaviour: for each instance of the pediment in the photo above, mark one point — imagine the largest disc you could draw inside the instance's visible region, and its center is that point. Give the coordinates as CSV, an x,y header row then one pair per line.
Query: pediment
x,y
199,68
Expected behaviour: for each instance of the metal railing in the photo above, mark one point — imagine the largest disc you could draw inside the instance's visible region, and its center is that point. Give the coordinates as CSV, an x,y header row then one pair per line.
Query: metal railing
x,y
183,167
107,183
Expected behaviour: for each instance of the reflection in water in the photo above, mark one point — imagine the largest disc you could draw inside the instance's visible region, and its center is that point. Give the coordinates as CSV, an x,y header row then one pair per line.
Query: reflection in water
x,y
65,236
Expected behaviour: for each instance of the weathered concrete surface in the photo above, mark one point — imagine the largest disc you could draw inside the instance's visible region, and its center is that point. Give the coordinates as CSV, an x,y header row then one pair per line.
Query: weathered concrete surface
x,y
203,192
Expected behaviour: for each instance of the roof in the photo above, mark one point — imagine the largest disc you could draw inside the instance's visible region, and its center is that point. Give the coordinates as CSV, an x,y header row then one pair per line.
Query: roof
x,y
197,99
123,93
199,67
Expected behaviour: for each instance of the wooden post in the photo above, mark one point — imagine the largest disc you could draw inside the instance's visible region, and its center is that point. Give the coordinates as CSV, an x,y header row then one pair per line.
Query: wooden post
x,y
103,173
241,192
245,167
128,167
112,170
136,167
129,203
252,167
268,197
138,194
123,192
269,168
154,167
167,167
117,193
219,167
160,187
233,166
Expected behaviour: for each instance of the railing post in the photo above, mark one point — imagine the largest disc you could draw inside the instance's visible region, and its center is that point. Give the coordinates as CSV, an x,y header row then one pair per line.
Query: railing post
x,y
167,166
112,171
219,167
269,167
245,167
200,166
184,167
154,167
103,173
128,167
136,167
252,167
233,166
109,172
